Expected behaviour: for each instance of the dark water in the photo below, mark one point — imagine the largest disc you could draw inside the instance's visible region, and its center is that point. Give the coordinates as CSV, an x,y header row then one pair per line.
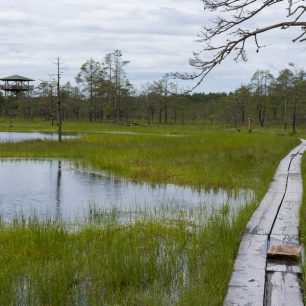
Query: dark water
x,y
22,136
58,189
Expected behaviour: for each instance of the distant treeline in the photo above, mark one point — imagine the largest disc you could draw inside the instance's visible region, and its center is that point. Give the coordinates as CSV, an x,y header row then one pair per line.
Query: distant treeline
x,y
104,93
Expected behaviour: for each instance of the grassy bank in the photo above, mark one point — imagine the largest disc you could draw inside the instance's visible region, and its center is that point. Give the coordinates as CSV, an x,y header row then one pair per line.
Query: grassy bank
x,y
151,262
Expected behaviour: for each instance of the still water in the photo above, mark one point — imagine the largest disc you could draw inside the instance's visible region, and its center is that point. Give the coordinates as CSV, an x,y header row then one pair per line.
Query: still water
x,y
59,190
22,136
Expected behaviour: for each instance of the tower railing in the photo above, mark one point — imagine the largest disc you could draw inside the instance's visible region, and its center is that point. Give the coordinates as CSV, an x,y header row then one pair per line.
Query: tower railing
x,y
9,87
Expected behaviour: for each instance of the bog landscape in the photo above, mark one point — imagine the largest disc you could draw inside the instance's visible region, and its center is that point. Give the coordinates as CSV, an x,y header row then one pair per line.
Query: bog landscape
x,y
151,190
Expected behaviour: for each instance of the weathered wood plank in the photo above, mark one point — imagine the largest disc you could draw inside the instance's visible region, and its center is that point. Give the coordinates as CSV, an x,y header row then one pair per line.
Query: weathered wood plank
x,y
283,266
279,183
285,177
246,262
284,164
287,221
284,252
296,162
295,167
246,295
253,245
262,220
287,160
294,184
283,289
246,286
284,239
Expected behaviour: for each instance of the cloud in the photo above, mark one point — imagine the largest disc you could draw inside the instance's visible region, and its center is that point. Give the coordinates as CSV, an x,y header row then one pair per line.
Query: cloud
x,y
157,37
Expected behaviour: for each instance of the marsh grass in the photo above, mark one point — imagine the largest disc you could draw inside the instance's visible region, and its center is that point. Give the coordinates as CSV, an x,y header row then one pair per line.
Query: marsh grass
x,y
163,259
149,262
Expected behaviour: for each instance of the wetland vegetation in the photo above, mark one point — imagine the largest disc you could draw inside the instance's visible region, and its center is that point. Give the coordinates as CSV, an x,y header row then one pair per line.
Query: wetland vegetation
x,y
158,259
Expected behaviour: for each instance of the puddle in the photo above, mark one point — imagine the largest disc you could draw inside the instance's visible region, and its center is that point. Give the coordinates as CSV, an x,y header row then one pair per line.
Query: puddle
x,y
136,133
22,136
59,190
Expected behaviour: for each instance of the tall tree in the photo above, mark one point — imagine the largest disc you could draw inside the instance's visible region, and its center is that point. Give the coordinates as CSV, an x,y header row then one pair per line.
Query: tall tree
x,y
283,84
46,92
260,83
242,96
164,88
146,93
117,79
89,77
297,93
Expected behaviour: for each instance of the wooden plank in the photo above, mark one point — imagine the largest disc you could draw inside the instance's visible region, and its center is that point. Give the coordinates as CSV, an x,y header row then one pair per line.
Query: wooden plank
x,y
284,240
247,262
279,183
250,293
276,265
287,221
297,148
280,173
285,252
247,283
295,166
296,160
284,164
283,289
262,220
253,245
294,184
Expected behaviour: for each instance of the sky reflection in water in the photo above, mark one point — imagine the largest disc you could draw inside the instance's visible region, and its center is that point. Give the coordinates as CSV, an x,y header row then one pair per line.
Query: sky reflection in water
x,y
58,189
22,136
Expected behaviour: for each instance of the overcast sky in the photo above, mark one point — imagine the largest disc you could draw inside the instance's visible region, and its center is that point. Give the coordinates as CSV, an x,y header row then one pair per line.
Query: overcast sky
x,y
155,36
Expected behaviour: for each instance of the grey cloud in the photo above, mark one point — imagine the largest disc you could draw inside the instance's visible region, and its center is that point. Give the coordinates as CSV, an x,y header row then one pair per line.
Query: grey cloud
x,y
157,37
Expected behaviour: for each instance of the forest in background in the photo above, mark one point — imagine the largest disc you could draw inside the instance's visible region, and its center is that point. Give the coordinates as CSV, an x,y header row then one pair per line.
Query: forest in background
x,y
103,92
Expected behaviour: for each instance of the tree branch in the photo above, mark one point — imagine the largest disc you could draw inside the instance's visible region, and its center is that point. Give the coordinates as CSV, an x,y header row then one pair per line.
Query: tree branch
x,y
228,27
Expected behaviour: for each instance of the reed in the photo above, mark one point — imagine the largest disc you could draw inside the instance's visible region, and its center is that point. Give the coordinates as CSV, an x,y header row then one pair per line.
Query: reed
x,y
149,262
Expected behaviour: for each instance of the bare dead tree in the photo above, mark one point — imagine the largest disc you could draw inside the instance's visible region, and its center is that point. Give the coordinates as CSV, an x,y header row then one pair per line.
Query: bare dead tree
x,y
59,105
232,28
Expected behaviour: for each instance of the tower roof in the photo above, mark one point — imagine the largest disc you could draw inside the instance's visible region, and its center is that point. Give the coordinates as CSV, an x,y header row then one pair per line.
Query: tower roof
x,y
16,78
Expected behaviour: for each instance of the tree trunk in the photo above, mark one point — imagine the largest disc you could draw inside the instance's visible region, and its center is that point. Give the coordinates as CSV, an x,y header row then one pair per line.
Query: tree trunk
x,y
294,116
285,115
166,110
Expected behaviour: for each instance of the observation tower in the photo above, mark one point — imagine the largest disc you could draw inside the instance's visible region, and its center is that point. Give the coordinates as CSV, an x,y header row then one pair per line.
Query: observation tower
x,y
16,84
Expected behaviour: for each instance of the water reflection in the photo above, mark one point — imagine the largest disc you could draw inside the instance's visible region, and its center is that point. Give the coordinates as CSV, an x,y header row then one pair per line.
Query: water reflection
x,y
22,136
59,189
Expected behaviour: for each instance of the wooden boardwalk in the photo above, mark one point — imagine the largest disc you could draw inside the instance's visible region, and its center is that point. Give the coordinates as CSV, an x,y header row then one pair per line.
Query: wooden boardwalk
x,y
256,279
